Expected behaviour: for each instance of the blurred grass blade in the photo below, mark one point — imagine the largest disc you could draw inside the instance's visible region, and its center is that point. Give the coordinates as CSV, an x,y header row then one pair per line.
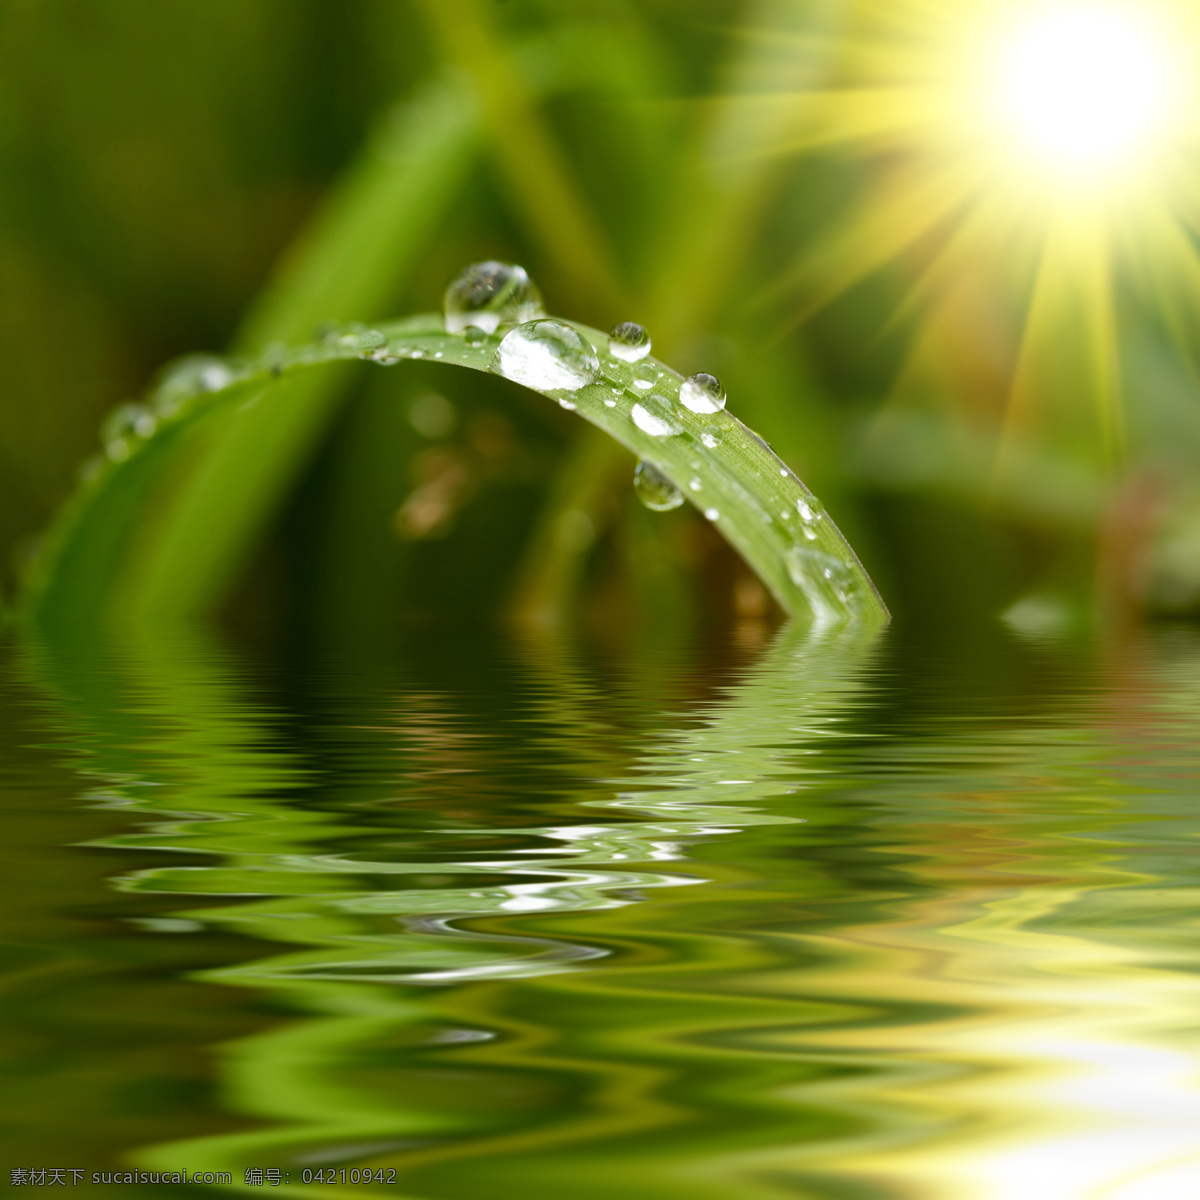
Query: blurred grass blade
x,y
721,467
546,195
350,263
730,169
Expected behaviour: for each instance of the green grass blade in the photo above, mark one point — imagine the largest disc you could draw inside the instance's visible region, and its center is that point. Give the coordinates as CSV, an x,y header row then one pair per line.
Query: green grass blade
x,y
349,263
718,465
728,166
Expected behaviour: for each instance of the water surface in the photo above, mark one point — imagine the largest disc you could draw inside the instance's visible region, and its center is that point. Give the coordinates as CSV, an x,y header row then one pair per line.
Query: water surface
x,y
826,916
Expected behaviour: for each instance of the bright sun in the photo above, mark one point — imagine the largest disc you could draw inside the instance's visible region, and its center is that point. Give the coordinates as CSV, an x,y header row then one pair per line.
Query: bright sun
x,y
1086,90
1029,160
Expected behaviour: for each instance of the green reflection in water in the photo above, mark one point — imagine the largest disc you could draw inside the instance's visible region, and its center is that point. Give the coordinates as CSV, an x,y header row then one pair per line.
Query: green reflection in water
x,y
836,928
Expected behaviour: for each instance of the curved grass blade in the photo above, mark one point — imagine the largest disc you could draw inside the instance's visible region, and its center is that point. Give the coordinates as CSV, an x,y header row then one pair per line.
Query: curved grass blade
x,y
724,469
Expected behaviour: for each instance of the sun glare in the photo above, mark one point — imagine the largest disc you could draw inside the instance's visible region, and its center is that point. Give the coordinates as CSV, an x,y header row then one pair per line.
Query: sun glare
x,y
1085,90
1035,163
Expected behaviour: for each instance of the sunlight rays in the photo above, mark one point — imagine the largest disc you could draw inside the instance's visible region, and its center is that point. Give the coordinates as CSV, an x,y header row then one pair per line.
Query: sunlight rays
x,y
990,136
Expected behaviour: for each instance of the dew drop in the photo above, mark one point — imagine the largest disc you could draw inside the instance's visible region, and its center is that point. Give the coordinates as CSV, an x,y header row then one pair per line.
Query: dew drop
x,y
710,440
609,402
654,489
809,567
811,514
371,343
652,418
810,510
702,393
547,356
569,405
129,420
489,294
712,514
628,341
188,377
695,484
474,336
645,377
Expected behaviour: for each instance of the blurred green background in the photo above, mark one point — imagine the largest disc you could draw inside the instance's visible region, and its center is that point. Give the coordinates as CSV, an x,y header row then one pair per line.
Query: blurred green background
x,y
215,177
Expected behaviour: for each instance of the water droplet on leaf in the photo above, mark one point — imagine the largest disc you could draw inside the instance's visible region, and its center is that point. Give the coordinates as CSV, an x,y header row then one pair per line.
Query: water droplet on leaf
x,y
128,420
654,489
628,341
809,568
489,294
645,376
810,510
371,343
811,513
710,440
702,393
474,336
188,377
548,356
652,418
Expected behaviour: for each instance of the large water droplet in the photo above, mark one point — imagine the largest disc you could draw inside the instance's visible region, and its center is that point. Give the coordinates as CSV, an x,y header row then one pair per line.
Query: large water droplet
x,y
651,417
628,341
547,356
702,393
654,489
489,294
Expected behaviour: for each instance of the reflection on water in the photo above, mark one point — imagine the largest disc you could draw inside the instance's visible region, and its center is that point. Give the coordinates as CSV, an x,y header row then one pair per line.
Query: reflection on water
x,y
857,918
